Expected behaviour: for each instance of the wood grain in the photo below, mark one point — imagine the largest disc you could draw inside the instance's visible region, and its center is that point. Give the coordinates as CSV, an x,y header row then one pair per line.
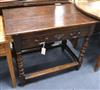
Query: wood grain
x,y
50,70
43,18
90,7
29,26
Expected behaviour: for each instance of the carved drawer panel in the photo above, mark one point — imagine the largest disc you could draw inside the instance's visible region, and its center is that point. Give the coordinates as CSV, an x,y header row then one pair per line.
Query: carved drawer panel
x,y
29,40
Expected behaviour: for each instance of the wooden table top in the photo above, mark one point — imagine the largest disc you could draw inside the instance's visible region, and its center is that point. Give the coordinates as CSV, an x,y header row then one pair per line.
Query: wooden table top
x,y
91,7
40,18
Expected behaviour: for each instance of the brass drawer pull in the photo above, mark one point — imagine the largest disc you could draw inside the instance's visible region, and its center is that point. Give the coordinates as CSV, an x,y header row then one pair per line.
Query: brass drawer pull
x,y
46,38
79,33
75,34
71,34
59,36
36,40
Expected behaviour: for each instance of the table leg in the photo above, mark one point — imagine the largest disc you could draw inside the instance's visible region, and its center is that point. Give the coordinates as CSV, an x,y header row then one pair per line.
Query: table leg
x,y
65,47
97,63
10,65
83,49
20,67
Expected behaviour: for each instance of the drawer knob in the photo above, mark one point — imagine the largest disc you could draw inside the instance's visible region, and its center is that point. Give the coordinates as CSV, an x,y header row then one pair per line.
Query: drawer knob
x,y
36,40
46,38
59,36
71,34
79,33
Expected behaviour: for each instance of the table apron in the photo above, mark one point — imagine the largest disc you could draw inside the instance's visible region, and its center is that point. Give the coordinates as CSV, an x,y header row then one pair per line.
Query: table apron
x,y
32,39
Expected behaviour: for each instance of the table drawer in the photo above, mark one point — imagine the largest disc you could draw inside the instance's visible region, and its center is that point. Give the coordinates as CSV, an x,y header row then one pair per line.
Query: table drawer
x,y
30,40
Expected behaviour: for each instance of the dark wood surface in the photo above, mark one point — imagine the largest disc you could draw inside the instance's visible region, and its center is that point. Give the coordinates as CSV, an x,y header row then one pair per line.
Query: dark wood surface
x,y
89,7
29,26
20,3
43,18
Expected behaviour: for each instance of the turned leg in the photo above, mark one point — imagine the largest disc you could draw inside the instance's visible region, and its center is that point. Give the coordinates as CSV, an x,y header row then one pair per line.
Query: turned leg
x,y
97,64
10,65
20,67
83,49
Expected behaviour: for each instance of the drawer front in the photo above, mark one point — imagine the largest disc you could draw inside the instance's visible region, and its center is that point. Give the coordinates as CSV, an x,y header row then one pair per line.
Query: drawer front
x,y
30,40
